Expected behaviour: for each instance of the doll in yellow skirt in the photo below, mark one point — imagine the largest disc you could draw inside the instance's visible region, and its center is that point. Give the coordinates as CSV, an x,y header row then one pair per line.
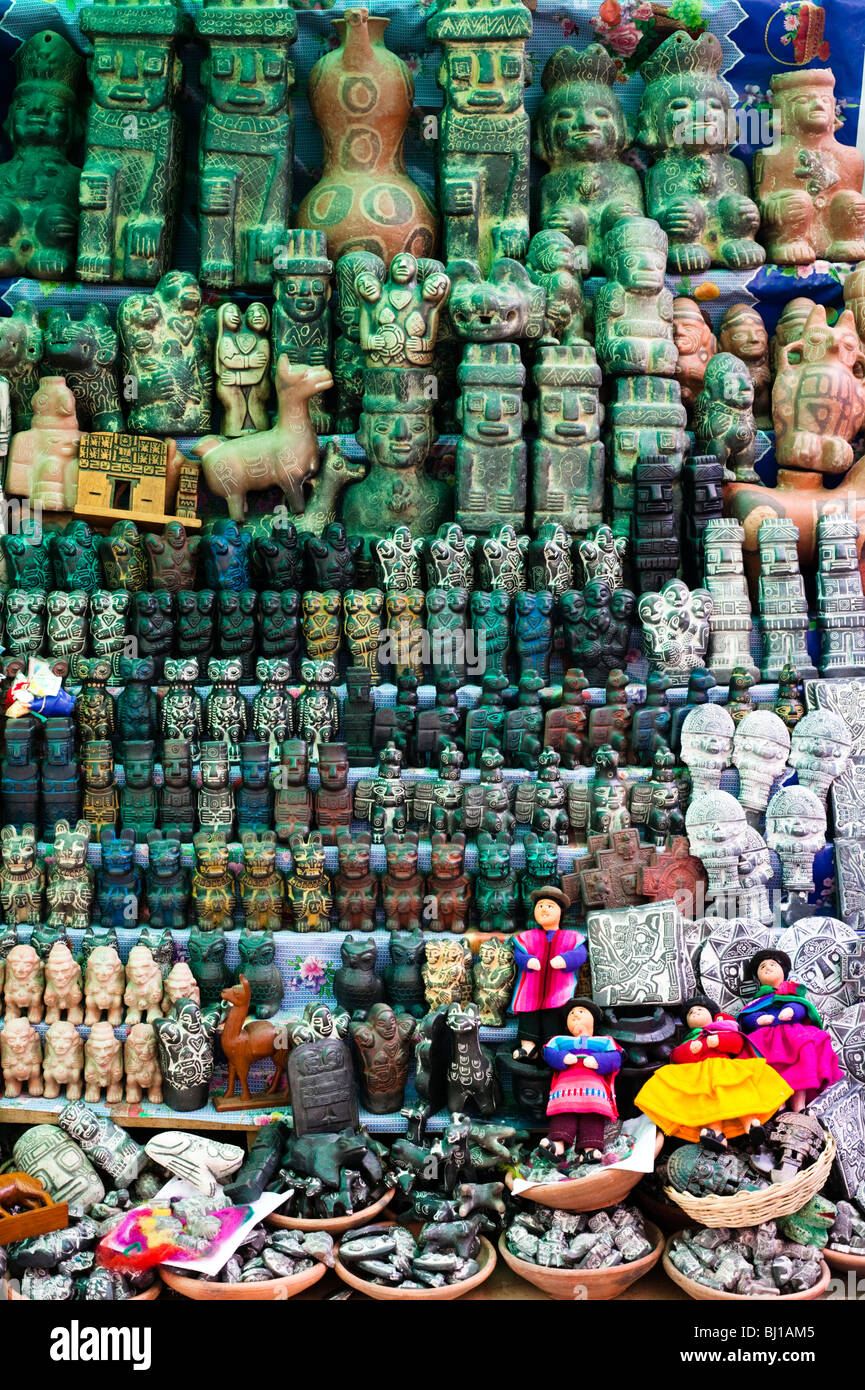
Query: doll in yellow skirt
x,y
716,1085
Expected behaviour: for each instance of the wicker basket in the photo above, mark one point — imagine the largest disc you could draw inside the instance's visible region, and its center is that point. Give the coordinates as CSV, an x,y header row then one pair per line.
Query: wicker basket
x,y
752,1208
705,1294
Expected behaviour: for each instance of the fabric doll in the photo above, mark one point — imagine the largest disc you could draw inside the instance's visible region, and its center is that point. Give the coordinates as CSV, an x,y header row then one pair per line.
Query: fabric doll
x,y
712,1089
583,1093
547,959
784,1026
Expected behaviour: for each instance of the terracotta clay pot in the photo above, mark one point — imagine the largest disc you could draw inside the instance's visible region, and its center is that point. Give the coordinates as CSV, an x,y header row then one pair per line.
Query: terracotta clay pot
x,y
148,1296
275,1290
486,1260
334,1225
599,1284
361,94
603,1189
839,1261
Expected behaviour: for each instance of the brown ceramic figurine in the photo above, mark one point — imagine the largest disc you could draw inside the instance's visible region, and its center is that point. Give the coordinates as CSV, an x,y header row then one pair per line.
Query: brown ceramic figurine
x,y
693,336
245,1042
808,185
361,94
743,333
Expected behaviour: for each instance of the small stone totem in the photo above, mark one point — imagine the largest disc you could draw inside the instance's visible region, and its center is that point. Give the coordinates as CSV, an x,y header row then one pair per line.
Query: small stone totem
x,y
655,542
130,182
491,455
730,619
245,157
567,456
633,310
840,600
783,605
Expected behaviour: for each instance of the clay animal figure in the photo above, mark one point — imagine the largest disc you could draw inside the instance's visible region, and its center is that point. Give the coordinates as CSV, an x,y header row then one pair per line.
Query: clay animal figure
x,y
355,889
285,456
103,986
257,953
21,1058
103,1065
63,1062
143,994
63,985
403,980
85,352
244,1043
24,984
324,1156
141,1065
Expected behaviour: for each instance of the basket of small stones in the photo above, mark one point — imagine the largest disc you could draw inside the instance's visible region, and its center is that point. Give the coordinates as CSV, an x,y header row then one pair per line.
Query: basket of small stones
x,y
846,1244
745,1188
446,1260
268,1265
60,1267
580,1255
724,1263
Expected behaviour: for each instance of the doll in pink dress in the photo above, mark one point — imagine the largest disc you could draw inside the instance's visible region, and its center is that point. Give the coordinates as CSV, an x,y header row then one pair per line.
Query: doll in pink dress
x,y
583,1092
784,1026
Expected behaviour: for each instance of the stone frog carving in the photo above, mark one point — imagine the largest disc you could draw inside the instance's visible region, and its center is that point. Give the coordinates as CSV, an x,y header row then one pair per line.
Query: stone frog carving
x,y
581,133
695,189
130,180
245,159
85,352
39,184
167,341
808,185
286,456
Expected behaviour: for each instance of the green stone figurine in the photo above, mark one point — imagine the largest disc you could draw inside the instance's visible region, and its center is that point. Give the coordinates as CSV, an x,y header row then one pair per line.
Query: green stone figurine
x,y
131,179
396,433
633,310
647,420
491,455
483,148
581,133
245,162
697,191
567,455
167,341
301,310
39,185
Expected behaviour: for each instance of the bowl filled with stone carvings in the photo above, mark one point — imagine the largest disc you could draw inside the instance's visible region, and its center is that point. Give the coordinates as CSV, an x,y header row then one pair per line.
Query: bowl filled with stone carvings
x,y
589,1186
334,1224
268,1265
845,1248
572,1255
732,1264
740,1188
444,1261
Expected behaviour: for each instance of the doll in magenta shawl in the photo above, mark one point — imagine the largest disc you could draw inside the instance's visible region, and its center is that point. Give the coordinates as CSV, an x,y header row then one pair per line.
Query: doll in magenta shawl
x,y
716,1085
784,1026
583,1093
547,958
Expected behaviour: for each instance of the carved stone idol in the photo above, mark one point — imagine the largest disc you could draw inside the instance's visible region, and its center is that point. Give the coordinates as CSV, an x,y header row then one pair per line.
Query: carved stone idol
x,y
730,620
707,746
167,342
820,750
743,333
301,312
245,164
783,605
796,830
185,1045
840,600
760,750
676,628
567,456
491,456
633,310
130,183
243,368
696,344
718,835
696,190
581,132
724,417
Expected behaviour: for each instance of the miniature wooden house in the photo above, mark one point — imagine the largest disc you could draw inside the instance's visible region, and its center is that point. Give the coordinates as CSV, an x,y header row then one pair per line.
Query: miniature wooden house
x,y
125,477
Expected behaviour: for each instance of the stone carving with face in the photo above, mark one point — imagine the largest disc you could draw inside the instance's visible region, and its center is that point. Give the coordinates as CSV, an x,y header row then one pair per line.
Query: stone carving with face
x,y
724,417
760,750
718,835
796,830
707,746
820,750
743,333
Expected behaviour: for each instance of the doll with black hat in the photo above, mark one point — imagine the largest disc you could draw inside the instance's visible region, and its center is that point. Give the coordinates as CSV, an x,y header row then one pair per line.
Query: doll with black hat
x,y
583,1091
784,1026
716,1085
548,957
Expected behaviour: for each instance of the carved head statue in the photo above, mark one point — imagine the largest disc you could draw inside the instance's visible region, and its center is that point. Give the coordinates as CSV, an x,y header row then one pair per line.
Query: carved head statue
x,y
580,117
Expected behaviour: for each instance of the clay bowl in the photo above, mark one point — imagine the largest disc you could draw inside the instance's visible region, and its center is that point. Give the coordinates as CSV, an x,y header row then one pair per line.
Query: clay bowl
x,y
270,1289
598,1284
334,1225
604,1189
702,1292
487,1264
147,1297
667,1215
837,1260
